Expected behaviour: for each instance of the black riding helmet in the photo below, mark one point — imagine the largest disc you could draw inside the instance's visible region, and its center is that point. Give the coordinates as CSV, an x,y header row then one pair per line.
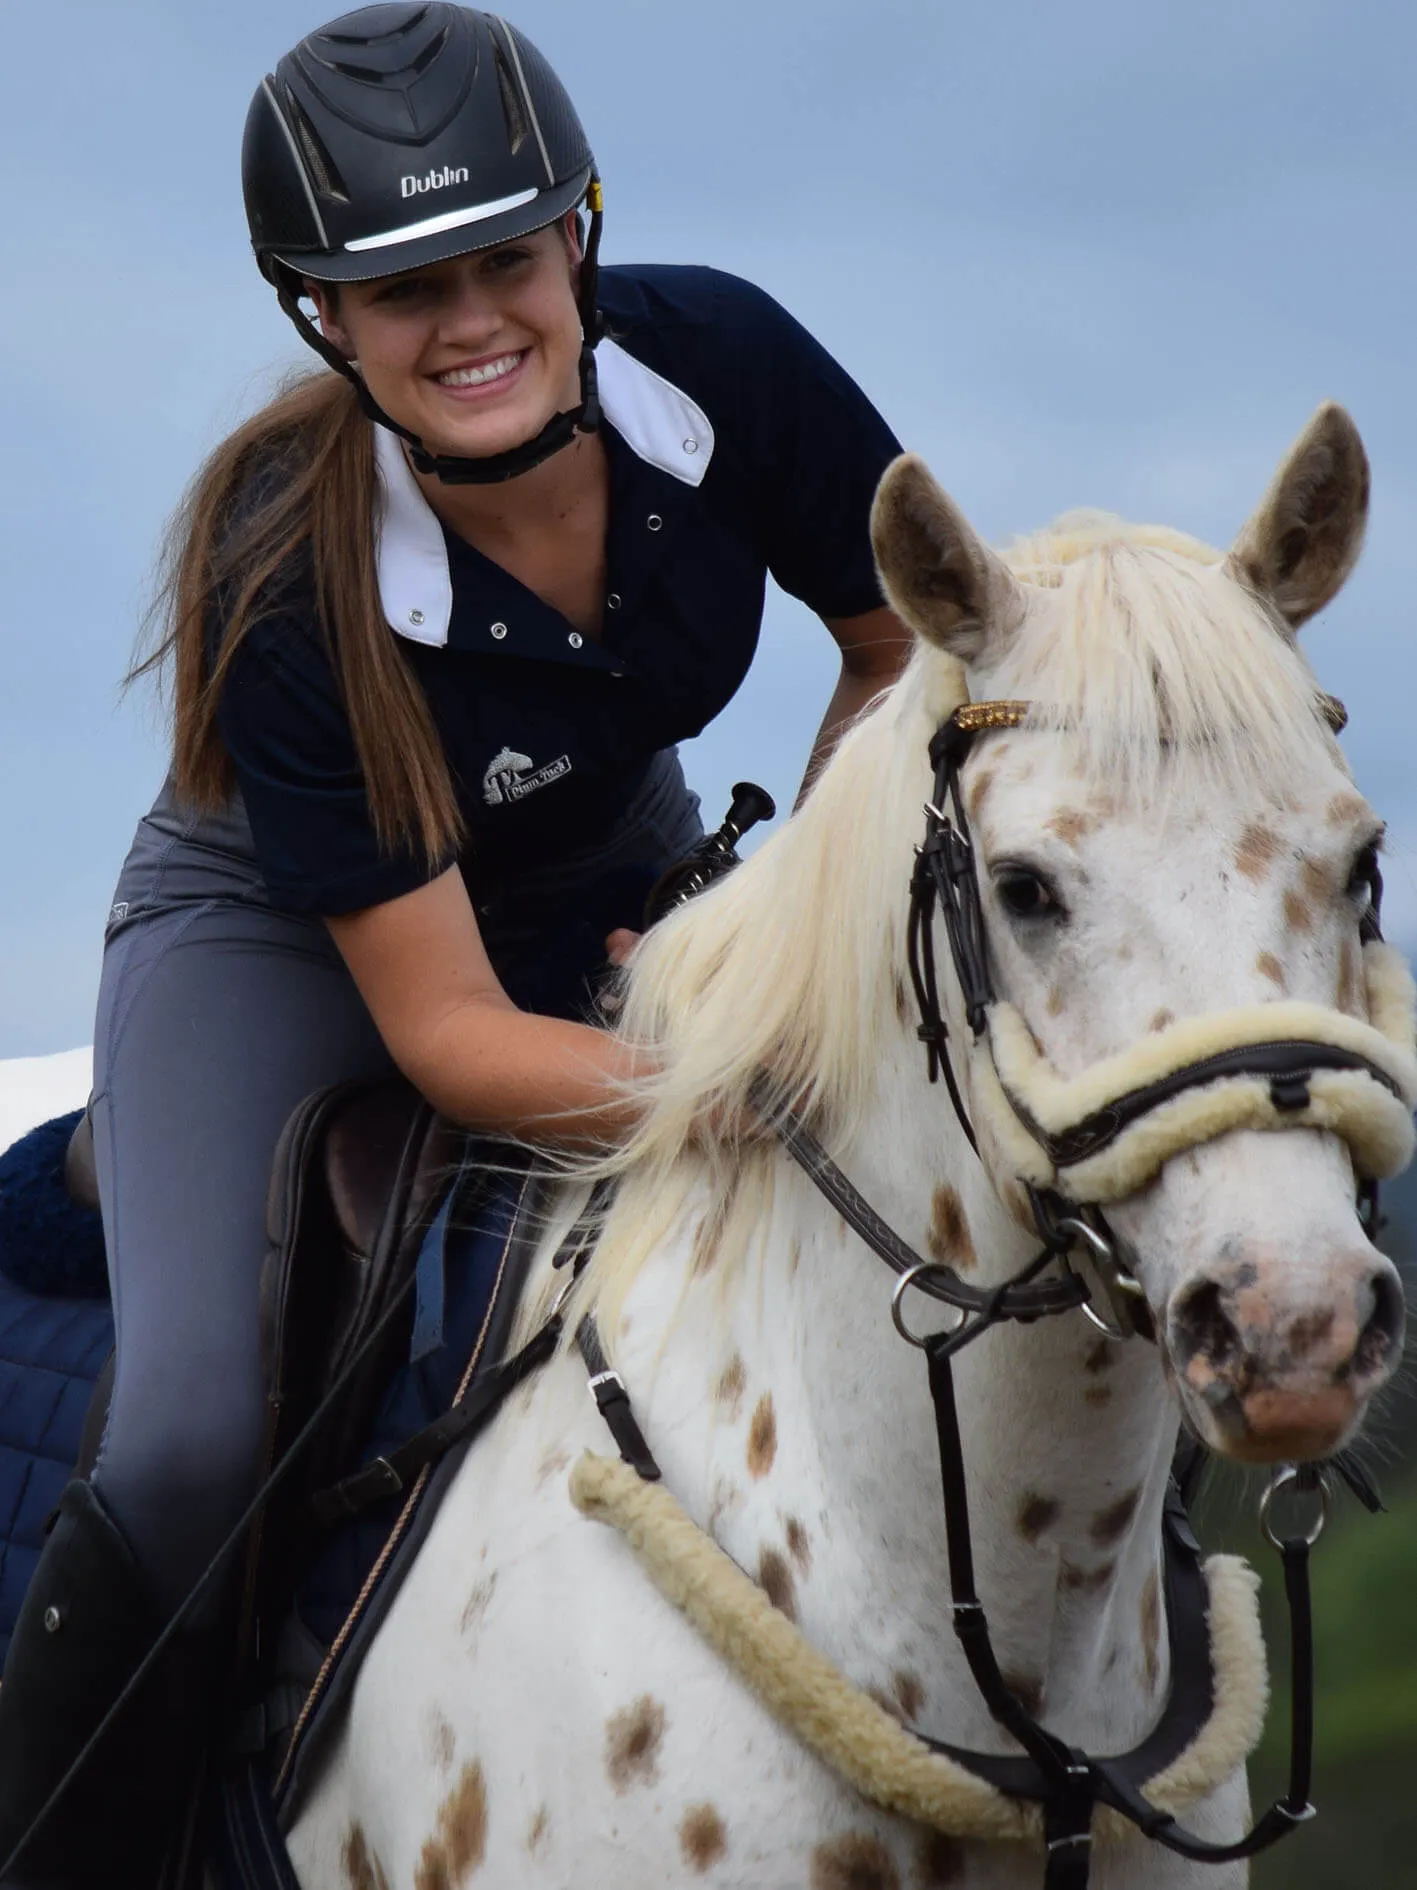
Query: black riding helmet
x,y
399,136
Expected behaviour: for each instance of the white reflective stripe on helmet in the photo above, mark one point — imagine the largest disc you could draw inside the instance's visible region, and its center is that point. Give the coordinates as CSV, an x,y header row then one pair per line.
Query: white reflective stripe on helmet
x,y
449,220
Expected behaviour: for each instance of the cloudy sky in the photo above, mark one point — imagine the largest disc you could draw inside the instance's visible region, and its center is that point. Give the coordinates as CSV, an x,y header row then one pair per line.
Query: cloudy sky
x,y
1105,254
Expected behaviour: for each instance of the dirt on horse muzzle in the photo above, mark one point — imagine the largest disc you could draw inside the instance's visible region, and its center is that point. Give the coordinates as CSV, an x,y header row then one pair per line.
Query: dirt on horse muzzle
x,y
1274,1370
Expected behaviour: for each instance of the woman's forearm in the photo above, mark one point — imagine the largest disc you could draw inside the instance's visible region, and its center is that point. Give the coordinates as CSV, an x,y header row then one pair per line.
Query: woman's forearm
x,y
491,1066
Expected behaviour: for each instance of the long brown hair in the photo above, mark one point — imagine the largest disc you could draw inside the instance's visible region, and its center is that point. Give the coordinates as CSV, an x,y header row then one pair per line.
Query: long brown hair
x,y
299,473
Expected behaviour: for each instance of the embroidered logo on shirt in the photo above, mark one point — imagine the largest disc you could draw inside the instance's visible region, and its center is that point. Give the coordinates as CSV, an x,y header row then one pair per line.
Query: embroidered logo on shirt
x,y
510,776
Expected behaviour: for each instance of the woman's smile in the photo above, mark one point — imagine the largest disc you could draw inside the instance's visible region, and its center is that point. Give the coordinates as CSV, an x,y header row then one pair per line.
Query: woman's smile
x,y
484,378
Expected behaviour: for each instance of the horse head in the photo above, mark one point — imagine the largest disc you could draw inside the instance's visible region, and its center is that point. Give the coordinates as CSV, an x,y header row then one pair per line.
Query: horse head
x,y
1174,865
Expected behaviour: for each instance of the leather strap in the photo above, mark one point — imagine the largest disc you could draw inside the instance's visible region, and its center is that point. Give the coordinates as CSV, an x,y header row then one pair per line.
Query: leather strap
x,y
613,1402
1026,1299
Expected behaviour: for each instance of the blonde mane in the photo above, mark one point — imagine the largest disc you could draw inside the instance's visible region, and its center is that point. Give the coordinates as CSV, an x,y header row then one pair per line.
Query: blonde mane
x,y
1141,643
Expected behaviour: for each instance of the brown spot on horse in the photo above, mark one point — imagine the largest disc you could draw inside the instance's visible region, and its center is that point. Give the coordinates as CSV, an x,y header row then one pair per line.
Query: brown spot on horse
x,y
457,1847
1345,808
1268,966
1110,1525
728,1391
1100,1356
903,1006
799,1544
909,1691
1027,1689
536,1831
1097,1396
978,788
855,1861
762,1437
1162,1021
477,1603
1257,851
441,1742
702,1837
1151,1629
1056,1001
1298,913
1035,1514
775,1580
362,1869
950,1240
633,1737
1316,879
939,1863
1069,825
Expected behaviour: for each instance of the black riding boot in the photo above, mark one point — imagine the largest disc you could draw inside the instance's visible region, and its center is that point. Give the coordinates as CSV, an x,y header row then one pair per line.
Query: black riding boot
x,y
87,1621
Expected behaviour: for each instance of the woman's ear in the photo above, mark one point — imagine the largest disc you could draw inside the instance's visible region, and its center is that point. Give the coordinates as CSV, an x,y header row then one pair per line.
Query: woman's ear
x,y
325,296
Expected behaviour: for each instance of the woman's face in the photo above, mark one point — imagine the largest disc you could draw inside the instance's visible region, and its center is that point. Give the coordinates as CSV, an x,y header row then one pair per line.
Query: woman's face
x,y
475,354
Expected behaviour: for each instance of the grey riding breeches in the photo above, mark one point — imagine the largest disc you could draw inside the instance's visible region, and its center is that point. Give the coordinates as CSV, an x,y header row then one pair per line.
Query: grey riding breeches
x,y
217,1015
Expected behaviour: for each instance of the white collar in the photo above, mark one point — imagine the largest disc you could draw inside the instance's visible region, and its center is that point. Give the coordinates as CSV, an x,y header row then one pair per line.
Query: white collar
x,y
657,421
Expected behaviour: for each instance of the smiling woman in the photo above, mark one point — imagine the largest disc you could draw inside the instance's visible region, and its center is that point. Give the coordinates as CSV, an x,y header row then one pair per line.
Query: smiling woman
x,y
438,618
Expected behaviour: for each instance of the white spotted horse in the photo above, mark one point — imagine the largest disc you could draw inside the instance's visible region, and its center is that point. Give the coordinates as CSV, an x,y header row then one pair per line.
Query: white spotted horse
x,y
1135,931
891,1582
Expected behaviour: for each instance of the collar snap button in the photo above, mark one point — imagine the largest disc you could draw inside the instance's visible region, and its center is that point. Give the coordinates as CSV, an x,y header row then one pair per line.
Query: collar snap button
x,y
499,630
575,639
654,521
415,616
691,446
612,602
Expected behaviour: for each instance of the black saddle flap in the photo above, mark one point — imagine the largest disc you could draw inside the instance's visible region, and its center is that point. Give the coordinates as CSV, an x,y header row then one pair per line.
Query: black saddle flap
x,y
359,1172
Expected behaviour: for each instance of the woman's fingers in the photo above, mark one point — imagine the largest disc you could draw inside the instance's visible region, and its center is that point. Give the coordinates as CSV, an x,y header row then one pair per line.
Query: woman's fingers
x,y
620,943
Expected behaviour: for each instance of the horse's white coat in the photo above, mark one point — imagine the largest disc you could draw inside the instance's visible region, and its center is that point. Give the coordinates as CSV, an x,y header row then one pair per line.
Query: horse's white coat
x,y
533,1713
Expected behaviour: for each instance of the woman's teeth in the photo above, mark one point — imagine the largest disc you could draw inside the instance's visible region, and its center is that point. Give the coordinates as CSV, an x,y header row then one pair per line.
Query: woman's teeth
x,y
478,376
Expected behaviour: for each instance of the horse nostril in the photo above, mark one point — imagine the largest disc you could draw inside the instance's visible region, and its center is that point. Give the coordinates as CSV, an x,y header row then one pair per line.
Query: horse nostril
x,y
1382,1332
1199,1324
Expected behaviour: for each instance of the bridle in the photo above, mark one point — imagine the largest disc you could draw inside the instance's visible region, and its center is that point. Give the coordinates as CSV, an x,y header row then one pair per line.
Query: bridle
x,y
1068,1782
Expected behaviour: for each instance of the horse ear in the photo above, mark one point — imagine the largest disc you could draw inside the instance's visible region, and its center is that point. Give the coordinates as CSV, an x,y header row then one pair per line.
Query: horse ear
x,y
1305,538
938,575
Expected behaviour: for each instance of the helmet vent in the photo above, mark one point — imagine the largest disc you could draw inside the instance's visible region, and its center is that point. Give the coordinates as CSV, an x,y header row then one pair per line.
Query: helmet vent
x,y
512,108
318,161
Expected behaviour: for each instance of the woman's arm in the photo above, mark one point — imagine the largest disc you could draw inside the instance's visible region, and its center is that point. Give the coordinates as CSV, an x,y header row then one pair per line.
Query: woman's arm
x,y
423,971
873,648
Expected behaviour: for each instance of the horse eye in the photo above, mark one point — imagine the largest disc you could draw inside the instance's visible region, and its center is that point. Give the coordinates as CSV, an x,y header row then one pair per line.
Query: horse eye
x,y
1365,879
1025,895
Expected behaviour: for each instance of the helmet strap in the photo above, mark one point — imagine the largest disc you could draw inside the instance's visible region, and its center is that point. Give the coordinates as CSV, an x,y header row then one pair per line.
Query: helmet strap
x,y
451,468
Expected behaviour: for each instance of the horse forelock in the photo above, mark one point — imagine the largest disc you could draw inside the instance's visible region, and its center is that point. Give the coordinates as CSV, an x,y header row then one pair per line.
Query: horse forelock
x,y
1165,671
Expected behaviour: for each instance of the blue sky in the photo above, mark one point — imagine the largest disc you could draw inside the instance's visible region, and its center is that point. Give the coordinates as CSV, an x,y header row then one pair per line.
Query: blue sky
x,y
1106,254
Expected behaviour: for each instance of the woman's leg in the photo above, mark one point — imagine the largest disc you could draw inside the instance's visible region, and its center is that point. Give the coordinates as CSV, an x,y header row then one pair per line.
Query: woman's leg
x,y
213,1024
216,1017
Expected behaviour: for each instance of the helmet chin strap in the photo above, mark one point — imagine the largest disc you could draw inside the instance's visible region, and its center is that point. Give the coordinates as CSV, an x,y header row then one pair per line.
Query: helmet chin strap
x,y
454,469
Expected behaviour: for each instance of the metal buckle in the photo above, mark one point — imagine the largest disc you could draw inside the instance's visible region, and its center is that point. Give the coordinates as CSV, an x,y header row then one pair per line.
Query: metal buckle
x,y
906,1280
1108,1282
1283,1480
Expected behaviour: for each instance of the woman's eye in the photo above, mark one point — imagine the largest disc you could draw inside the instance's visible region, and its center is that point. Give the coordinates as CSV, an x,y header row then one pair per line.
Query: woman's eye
x,y
401,291
1025,895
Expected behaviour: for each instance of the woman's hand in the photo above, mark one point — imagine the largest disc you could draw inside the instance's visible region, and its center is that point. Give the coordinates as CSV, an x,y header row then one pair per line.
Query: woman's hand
x,y
620,944
422,969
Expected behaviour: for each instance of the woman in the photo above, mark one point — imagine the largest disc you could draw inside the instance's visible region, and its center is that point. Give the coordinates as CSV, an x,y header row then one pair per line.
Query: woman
x,y
438,619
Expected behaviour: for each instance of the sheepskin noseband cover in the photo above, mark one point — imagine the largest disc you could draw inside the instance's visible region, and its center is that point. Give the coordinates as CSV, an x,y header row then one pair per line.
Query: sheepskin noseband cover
x,y
1013,1084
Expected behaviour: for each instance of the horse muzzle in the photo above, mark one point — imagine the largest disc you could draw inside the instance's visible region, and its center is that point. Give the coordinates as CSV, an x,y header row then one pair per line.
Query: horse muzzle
x,y
1267,1377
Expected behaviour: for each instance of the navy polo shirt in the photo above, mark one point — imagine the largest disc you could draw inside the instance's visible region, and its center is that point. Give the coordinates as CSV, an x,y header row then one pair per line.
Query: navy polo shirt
x,y
736,446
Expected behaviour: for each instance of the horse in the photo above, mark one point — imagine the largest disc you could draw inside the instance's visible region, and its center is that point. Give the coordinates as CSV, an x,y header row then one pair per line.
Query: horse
x,y
1170,858
1167,836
